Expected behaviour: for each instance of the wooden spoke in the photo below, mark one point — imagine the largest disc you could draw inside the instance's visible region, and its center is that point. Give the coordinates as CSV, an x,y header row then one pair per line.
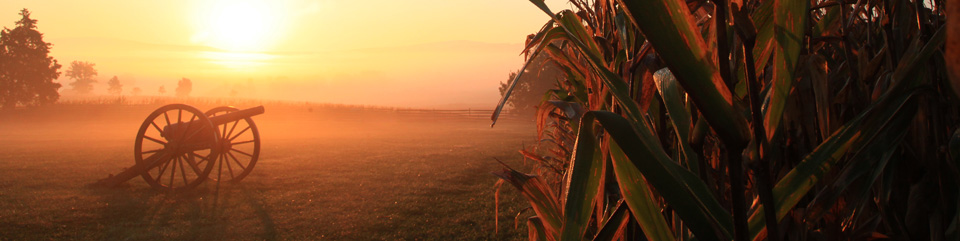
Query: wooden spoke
x,y
240,133
223,133
193,164
237,161
154,140
163,169
242,142
219,172
173,173
183,173
232,128
154,124
167,118
152,151
199,156
228,167
241,152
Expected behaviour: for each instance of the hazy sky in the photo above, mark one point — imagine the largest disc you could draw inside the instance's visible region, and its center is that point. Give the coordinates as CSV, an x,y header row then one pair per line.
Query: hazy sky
x,y
422,53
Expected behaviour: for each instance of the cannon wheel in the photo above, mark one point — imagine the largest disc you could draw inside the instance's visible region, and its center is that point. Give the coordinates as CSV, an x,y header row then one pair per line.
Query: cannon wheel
x,y
240,146
171,167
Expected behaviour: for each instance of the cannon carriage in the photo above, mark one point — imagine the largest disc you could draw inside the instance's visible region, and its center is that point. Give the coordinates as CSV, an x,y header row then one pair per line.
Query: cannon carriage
x,y
178,147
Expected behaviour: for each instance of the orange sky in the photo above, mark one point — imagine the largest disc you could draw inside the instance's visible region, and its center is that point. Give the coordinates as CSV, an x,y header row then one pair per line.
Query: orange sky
x,y
417,53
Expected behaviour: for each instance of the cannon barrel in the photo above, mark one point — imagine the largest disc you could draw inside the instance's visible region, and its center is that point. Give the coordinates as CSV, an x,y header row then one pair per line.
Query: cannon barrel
x,y
174,131
236,115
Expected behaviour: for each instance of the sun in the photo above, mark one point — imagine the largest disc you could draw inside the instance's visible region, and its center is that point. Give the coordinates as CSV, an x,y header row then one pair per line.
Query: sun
x,y
238,25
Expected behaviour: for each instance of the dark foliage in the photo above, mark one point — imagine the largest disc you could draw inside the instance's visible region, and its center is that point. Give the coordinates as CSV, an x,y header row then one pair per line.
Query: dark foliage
x,y
26,69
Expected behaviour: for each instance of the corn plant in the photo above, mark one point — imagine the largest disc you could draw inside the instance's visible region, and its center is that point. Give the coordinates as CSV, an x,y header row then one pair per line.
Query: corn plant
x,y
744,120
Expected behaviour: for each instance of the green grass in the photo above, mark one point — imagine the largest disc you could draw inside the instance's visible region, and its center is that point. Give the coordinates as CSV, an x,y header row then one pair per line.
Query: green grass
x,y
323,174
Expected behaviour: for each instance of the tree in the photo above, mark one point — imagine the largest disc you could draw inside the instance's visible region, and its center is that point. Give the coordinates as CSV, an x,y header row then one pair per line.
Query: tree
x,y
114,86
162,90
83,75
26,70
136,91
184,87
533,85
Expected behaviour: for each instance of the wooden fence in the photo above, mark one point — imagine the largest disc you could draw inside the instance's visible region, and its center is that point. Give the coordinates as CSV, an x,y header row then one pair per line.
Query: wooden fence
x,y
466,113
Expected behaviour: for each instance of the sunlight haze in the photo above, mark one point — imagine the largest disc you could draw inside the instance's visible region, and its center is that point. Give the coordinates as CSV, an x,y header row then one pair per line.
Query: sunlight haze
x,y
420,53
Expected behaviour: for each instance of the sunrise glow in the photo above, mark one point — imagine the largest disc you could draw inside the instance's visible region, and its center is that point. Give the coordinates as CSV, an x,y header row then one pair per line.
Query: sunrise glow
x,y
245,25
353,52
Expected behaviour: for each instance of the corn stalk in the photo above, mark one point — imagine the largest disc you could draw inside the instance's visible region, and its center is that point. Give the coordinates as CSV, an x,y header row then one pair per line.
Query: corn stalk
x,y
777,119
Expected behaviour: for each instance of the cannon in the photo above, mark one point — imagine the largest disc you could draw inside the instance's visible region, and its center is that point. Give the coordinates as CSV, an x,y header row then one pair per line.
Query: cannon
x,y
178,147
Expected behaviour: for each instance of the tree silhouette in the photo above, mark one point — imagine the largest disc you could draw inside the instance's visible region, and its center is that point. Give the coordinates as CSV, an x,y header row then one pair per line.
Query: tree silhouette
x,y
136,91
184,87
162,90
26,70
533,85
114,86
83,75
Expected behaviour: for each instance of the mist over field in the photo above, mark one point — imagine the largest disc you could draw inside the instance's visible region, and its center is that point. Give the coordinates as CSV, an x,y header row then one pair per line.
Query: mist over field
x,y
455,74
129,120
330,171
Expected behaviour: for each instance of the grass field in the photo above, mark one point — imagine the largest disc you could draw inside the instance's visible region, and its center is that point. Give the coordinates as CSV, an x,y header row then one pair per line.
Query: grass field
x,y
324,173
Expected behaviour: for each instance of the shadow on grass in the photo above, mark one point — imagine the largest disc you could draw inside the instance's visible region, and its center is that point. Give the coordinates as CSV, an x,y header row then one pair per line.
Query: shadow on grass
x,y
201,214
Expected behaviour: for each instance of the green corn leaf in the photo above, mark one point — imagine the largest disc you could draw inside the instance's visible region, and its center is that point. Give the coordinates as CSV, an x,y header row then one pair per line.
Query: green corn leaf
x,y
828,24
672,33
641,200
702,212
671,95
763,18
795,185
763,43
801,179
536,229
609,230
680,188
581,187
540,196
869,162
709,219
914,58
817,70
791,19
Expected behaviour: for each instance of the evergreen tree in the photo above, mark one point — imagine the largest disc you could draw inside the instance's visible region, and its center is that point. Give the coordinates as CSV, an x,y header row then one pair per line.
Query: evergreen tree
x,y
26,69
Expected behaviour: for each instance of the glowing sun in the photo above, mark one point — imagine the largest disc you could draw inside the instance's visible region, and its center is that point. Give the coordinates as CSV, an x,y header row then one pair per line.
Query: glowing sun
x,y
239,25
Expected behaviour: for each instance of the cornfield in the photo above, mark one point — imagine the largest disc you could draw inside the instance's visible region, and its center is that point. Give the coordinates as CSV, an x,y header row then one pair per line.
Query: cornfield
x,y
744,120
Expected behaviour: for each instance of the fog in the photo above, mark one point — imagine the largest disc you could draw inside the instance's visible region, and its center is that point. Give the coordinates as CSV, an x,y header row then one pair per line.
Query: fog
x,y
458,74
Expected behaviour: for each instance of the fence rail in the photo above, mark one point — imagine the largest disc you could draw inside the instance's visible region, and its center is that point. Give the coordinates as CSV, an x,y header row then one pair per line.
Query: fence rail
x,y
466,113
469,113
